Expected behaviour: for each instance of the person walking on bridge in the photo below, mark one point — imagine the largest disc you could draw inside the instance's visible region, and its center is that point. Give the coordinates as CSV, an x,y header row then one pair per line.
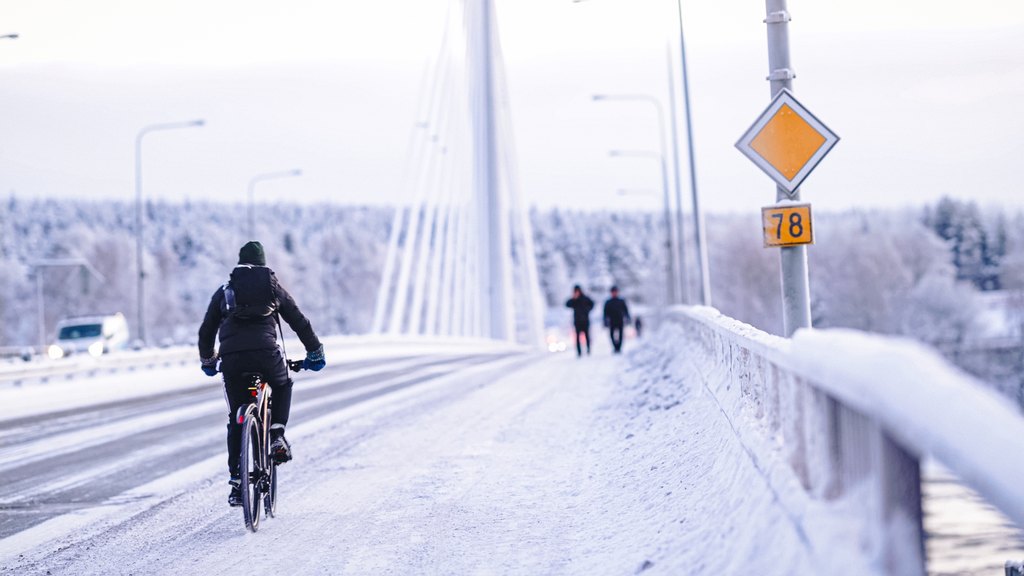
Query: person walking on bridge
x,y
616,316
581,306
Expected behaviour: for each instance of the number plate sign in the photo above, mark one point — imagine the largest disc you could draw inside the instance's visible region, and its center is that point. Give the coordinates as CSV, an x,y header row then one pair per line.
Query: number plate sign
x,y
787,225
787,141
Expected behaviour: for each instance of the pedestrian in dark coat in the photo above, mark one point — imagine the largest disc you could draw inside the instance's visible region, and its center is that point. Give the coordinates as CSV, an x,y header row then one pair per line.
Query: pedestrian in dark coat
x,y
581,306
616,315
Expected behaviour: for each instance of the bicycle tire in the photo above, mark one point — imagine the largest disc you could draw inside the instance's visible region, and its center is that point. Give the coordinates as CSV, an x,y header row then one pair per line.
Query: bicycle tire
x,y
251,470
270,500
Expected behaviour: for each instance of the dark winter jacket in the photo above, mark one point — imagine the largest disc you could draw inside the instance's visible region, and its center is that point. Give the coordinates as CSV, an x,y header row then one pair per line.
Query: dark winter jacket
x,y
581,308
255,331
615,312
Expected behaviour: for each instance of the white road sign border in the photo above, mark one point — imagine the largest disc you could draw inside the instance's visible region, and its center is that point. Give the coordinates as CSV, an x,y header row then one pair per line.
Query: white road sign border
x,y
785,97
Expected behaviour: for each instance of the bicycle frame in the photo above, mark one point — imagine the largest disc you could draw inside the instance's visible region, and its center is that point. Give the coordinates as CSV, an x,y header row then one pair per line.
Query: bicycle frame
x,y
260,407
258,480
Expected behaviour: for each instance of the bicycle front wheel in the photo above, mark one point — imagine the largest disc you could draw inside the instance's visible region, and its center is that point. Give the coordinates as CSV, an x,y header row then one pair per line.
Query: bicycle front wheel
x,y
251,466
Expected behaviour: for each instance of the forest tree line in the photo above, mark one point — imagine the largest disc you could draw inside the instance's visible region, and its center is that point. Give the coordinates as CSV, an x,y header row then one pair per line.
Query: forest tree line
x,y
927,274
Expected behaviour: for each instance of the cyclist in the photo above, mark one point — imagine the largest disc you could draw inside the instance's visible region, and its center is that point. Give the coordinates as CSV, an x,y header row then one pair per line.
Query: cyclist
x,y
245,313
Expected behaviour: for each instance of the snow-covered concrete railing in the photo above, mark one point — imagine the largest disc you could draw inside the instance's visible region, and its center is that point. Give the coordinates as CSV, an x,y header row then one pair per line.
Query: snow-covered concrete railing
x,y
838,420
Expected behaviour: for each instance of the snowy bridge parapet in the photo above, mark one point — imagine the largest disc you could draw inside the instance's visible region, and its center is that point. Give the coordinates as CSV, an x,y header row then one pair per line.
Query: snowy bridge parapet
x,y
837,422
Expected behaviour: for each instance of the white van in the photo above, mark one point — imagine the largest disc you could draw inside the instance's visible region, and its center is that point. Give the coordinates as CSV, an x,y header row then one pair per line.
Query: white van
x,y
93,334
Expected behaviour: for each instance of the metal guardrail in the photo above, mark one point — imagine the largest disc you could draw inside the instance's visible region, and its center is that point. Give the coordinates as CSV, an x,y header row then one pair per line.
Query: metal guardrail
x,y
45,369
16,351
848,435
17,371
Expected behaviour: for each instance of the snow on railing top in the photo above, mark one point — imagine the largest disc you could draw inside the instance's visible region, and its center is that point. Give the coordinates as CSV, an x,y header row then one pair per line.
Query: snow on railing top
x,y
927,405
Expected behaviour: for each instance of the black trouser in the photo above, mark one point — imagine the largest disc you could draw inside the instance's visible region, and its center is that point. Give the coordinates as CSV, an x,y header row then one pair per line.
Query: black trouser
x,y
616,334
271,365
583,329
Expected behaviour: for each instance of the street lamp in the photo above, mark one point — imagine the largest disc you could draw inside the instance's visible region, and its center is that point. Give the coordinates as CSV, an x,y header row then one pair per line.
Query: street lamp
x,y
138,212
252,192
680,294
670,271
698,215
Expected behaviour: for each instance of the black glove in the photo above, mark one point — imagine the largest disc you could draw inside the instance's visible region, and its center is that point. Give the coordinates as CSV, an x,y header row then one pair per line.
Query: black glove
x,y
209,366
315,360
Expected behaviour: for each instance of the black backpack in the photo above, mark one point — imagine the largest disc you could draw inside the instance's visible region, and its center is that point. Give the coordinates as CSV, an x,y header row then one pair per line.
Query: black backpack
x,y
249,295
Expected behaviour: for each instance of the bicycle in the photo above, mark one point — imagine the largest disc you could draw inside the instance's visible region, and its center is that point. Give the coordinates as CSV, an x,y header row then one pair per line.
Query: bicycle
x,y
258,469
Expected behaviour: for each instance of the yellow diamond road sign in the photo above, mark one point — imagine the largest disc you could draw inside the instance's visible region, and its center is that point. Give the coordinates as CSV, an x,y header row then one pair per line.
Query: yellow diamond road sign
x,y
787,141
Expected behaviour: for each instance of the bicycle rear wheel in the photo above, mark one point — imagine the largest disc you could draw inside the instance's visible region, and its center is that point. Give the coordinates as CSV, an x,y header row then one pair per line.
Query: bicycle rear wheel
x,y
251,466
270,500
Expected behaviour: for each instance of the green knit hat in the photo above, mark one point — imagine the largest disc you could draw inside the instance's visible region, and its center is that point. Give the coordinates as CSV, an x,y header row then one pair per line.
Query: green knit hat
x,y
252,253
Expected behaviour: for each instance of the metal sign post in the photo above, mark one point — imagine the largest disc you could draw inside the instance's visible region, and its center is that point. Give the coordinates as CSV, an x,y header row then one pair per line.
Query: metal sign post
x,y
787,142
796,289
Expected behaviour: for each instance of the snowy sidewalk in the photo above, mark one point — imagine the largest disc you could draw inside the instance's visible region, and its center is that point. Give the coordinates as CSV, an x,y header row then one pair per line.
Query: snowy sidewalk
x,y
600,465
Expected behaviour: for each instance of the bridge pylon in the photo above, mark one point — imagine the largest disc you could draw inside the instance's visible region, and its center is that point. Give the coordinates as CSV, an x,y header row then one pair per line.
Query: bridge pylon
x,y
460,259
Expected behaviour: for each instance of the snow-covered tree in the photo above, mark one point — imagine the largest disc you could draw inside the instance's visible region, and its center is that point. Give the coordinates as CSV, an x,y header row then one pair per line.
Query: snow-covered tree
x,y
961,225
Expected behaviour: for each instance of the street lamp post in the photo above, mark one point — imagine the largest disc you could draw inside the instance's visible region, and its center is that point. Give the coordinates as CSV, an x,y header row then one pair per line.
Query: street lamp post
x,y
698,215
252,192
139,220
670,271
678,254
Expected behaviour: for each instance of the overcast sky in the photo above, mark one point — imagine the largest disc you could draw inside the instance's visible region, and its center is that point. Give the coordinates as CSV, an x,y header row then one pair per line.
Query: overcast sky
x,y
925,94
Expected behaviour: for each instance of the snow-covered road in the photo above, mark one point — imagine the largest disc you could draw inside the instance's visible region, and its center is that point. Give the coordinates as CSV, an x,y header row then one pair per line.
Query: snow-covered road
x,y
77,459
521,464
